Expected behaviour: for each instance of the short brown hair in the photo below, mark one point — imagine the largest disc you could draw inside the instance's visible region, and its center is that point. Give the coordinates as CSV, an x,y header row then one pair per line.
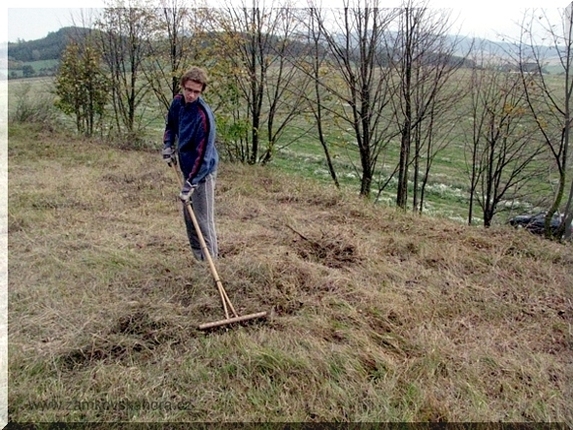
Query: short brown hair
x,y
195,74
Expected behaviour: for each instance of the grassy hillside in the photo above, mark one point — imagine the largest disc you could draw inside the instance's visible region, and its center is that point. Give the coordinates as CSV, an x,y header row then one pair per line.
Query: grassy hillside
x,y
375,315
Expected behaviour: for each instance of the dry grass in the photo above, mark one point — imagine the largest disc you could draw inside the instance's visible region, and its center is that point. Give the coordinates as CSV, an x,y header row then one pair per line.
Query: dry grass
x,y
375,315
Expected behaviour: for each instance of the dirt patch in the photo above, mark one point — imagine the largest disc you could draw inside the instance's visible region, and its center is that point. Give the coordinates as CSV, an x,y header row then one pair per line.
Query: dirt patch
x,y
331,249
130,335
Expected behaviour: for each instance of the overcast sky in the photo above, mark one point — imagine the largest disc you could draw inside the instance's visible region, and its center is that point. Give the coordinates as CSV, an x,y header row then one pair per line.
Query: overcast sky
x,y
481,18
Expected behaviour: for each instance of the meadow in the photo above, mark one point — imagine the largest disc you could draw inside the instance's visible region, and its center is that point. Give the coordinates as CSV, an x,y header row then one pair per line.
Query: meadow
x,y
375,315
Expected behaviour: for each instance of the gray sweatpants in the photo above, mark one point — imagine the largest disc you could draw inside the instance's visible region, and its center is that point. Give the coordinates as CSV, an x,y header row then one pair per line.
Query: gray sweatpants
x,y
203,203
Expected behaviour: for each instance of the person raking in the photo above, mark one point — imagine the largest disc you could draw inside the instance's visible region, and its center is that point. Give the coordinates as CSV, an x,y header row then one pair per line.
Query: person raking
x,y
190,137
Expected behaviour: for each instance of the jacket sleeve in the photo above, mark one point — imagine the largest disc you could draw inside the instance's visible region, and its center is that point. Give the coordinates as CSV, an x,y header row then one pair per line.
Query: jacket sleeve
x,y
171,126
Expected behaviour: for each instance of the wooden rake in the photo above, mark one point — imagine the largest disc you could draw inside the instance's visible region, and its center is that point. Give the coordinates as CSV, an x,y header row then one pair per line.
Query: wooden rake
x,y
236,318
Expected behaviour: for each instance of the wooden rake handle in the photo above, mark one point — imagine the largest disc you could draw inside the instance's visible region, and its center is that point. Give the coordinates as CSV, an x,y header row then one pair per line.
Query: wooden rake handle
x,y
224,297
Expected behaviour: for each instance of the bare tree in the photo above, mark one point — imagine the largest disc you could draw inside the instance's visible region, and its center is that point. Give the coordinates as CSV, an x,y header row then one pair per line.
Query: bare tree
x,y
437,130
549,97
424,64
168,50
124,32
179,38
354,39
504,147
317,69
255,42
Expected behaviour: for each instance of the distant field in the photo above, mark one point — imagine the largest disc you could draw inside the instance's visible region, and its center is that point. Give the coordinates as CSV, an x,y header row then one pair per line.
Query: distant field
x,y
27,87
38,67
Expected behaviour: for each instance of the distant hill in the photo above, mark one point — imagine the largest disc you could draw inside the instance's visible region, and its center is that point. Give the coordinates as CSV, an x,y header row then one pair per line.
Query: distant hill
x,y
50,47
507,50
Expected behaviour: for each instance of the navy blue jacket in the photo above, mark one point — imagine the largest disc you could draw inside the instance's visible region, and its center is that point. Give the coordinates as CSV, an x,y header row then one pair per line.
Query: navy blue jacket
x,y
193,126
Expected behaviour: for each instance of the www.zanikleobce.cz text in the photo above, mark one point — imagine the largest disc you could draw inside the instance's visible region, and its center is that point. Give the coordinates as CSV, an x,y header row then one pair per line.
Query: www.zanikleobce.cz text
x,y
102,405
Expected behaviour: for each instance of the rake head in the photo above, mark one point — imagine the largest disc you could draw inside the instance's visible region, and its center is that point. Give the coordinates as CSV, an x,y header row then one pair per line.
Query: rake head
x,y
232,320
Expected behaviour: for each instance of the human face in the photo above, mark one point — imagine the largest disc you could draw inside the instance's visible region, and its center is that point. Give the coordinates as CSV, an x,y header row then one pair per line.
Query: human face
x,y
192,91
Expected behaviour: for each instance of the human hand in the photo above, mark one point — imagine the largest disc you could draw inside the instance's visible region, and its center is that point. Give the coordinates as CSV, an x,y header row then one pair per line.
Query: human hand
x,y
186,191
169,155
